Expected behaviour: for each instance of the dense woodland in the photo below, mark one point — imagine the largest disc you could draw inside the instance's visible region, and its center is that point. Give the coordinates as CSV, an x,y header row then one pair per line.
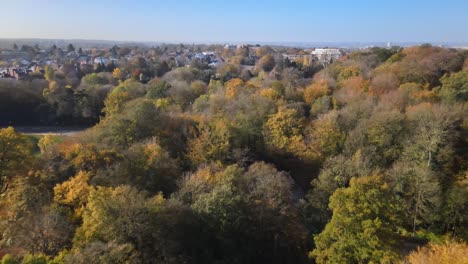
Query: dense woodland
x,y
361,161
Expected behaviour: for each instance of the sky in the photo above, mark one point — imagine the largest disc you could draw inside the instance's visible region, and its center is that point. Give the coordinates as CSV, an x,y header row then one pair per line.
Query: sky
x,y
238,20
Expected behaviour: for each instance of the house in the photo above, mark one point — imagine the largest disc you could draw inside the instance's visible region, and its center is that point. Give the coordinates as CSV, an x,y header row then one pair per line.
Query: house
x,y
100,60
305,59
326,56
72,54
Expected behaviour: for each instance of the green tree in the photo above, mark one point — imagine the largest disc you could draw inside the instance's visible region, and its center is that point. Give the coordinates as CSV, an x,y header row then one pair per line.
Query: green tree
x,y
420,189
105,253
454,87
8,259
251,212
70,48
157,88
35,259
363,226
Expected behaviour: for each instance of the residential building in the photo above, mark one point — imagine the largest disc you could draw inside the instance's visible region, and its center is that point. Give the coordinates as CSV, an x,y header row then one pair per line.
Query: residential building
x,y
326,56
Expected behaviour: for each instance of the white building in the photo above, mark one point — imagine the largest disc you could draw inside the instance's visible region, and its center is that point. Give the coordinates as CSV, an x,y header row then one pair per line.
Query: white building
x,y
99,60
326,55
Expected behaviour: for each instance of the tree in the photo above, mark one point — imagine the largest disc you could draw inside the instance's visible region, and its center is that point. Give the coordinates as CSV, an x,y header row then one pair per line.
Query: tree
x,y
148,166
455,208
316,90
48,143
118,214
15,154
49,73
233,87
420,190
251,209
211,144
99,252
349,72
454,87
70,48
363,227
434,134
157,88
283,132
35,259
74,192
267,63
326,136
449,252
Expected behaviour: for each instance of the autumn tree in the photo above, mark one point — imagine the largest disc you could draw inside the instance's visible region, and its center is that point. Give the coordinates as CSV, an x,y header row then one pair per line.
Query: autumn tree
x,y
283,132
454,87
15,153
449,252
247,209
316,90
121,215
267,63
211,144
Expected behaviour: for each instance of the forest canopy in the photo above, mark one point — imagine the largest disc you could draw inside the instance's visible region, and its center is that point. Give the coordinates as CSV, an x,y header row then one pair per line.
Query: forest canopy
x,y
259,159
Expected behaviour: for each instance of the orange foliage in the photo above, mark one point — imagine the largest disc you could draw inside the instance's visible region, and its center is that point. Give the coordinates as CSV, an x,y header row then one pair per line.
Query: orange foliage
x,y
352,90
419,107
424,95
447,253
357,83
316,90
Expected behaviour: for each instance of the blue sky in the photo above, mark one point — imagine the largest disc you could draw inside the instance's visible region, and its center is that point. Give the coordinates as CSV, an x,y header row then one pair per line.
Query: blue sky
x,y
237,21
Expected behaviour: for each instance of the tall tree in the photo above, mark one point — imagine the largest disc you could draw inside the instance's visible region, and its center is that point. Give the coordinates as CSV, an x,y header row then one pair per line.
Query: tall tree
x,y
363,227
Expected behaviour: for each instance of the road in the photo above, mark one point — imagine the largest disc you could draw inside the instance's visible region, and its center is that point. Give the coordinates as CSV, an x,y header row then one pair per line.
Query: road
x,y
43,130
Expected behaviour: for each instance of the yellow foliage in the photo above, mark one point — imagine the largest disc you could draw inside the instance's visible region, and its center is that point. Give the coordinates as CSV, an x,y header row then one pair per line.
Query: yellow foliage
x,y
87,156
283,133
316,90
15,152
213,143
210,174
47,143
233,87
270,93
161,103
118,74
327,138
74,192
349,72
114,102
448,253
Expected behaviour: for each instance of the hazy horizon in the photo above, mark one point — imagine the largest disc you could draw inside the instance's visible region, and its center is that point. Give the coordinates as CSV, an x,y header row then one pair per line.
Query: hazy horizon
x,y
188,21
